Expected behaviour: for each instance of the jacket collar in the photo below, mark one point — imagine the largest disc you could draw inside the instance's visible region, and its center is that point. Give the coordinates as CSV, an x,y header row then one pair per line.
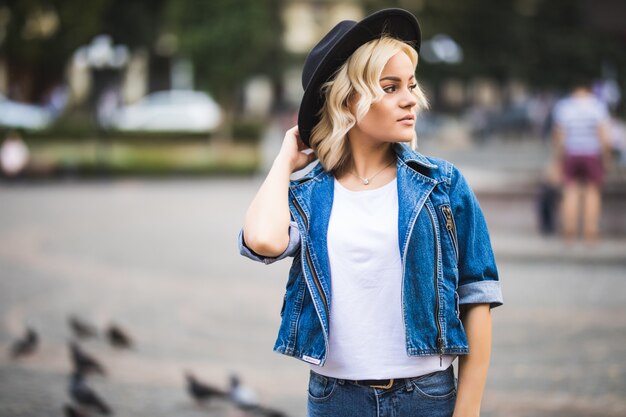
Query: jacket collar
x,y
403,151
408,155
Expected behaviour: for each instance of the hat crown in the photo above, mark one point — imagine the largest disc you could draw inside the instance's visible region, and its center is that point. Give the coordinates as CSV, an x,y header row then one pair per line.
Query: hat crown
x,y
319,51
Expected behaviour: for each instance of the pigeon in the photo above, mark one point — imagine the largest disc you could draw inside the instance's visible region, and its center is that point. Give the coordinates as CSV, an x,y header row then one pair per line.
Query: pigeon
x,y
71,411
246,399
26,345
83,362
118,337
201,391
242,396
81,329
85,396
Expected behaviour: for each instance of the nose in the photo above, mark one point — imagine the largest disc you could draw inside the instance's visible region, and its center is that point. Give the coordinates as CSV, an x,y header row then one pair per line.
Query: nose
x,y
408,99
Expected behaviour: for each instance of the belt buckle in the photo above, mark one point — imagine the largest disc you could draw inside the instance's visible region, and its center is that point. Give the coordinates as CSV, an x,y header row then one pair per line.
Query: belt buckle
x,y
389,385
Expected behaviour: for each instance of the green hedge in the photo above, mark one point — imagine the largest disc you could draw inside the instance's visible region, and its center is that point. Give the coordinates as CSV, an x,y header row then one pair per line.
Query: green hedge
x,y
123,156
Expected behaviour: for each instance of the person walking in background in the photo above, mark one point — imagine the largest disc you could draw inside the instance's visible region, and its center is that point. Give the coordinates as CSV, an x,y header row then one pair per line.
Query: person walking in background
x,y
393,274
14,154
582,150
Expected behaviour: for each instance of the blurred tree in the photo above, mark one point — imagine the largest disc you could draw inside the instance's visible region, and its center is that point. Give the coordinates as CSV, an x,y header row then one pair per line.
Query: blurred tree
x,y
228,42
566,45
41,36
544,42
135,23
490,33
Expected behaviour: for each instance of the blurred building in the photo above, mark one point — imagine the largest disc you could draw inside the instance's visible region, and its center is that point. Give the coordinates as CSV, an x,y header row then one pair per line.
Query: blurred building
x,y
306,23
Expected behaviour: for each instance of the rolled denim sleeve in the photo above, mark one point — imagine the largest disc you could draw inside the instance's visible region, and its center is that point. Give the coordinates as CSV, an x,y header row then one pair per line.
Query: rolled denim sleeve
x,y
292,247
478,274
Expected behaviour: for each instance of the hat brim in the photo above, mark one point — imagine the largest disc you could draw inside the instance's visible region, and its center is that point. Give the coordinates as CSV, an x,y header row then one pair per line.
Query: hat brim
x,y
397,23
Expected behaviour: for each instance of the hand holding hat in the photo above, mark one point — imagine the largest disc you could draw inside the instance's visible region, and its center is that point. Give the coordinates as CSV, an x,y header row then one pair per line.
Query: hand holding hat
x,y
294,150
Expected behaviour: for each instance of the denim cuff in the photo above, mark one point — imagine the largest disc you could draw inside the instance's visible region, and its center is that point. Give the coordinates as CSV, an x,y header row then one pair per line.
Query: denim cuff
x,y
481,292
294,241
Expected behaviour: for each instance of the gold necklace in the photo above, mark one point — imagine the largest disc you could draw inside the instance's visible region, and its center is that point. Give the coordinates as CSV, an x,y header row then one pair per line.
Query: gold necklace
x,y
366,181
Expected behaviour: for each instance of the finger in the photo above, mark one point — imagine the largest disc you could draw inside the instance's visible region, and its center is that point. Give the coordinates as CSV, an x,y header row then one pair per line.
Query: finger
x,y
294,131
301,145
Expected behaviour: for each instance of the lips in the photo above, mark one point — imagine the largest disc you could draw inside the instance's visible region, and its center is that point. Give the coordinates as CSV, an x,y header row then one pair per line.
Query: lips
x,y
408,120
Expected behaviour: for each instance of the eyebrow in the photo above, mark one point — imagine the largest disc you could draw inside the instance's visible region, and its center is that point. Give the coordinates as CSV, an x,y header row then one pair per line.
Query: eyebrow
x,y
394,78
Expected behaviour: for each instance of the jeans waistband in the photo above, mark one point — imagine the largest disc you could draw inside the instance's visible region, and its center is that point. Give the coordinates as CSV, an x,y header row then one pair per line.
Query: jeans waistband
x,y
382,383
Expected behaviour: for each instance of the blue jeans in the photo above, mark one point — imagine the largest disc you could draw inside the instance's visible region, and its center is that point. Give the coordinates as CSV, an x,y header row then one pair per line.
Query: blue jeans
x,y
431,395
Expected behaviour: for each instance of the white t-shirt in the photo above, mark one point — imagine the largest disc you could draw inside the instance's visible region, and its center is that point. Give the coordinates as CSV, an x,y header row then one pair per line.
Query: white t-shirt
x,y
367,336
579,117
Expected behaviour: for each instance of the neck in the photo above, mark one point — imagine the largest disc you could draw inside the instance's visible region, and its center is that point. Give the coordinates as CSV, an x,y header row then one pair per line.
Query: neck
x,y
581,92
369,158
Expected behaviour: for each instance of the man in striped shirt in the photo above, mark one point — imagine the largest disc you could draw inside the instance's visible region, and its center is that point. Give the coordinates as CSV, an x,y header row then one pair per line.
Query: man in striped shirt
x,y
582,150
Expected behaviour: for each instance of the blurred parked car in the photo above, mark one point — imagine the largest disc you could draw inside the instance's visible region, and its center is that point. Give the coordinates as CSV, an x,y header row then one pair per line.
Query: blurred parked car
x,y
173,110
22,115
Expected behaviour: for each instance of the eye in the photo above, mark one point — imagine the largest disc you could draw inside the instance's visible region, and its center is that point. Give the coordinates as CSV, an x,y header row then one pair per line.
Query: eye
x,y
389,89
412,87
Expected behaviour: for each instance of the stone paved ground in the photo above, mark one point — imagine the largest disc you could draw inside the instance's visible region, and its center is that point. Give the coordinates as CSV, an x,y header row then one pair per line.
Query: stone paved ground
x,y
160,258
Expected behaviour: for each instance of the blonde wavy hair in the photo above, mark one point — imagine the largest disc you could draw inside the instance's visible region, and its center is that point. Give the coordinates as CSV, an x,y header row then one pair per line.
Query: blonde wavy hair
x,y
360,75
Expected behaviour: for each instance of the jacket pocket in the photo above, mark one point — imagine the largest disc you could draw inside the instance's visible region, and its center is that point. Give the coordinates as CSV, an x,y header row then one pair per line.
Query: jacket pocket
x,y
451,228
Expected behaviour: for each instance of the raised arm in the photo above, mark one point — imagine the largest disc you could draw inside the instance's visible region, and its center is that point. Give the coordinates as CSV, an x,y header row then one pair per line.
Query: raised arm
x,y
266,224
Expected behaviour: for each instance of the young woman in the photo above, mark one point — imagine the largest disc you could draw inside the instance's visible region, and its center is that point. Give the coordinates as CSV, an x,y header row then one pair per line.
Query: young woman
x,y
393,274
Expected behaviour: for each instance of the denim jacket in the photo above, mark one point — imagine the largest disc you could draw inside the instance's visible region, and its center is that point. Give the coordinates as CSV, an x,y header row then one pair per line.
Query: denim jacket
x,y
444,244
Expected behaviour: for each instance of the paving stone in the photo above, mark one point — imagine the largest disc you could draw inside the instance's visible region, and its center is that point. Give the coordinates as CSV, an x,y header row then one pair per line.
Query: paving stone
x,y
160,258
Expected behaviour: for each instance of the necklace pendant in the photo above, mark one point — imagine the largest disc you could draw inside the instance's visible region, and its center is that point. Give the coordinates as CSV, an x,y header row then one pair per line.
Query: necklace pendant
x,y
366,181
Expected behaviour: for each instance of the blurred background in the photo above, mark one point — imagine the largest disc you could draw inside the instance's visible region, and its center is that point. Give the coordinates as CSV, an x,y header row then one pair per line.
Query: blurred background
x,y
135,133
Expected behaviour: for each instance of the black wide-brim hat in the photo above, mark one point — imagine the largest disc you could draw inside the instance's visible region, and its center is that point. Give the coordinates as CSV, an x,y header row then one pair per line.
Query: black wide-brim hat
x,y
336,47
